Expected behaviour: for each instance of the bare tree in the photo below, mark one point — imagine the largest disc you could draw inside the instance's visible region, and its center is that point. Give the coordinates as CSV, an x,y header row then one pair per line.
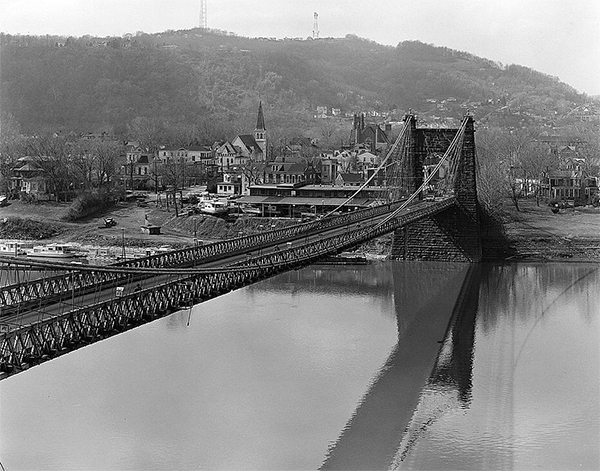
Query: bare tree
x,y
51,155
107,155
536,162
11,148
148,131
171,175
507,163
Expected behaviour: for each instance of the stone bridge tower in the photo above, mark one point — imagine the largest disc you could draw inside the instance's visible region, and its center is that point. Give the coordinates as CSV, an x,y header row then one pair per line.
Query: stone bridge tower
x,y
454,234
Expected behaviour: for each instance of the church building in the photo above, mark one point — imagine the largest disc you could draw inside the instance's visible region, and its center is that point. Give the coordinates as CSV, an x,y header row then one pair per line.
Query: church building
x,y
253,146
371,136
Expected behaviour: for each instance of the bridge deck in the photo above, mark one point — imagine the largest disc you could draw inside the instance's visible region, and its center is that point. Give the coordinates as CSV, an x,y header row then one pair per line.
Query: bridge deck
x,y
77,317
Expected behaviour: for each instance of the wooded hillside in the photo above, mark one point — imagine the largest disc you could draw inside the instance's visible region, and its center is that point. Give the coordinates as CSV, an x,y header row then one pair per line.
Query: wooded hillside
x,y
214,81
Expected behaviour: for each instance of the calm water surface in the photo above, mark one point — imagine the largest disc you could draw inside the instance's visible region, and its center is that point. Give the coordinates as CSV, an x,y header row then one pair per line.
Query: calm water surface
x,y
388,366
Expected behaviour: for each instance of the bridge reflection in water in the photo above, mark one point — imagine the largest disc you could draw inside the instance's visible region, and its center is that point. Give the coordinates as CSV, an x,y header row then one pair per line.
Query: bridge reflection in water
x,y
435,347
294,368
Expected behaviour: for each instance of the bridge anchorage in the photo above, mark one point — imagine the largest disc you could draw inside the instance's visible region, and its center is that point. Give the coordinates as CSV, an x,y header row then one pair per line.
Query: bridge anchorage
x,y
49,309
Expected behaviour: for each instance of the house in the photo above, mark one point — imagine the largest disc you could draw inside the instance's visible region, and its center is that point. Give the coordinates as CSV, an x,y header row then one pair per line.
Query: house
x,y
91,136
228,187
587,113
225,156
283,170
571,185
168,155
561,146
301,147
138,172
329,170
30,178
202,154
366,160
321,112
247,148
348,179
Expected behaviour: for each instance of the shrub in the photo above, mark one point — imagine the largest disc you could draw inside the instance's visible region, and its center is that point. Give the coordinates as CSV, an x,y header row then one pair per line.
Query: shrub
x,y
88,203
17,228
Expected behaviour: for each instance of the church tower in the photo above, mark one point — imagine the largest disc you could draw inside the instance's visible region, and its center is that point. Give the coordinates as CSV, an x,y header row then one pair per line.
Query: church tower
x,y
260,132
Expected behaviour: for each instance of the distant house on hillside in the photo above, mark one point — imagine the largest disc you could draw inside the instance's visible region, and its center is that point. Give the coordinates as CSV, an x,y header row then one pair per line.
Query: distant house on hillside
x,y
588,112
562,145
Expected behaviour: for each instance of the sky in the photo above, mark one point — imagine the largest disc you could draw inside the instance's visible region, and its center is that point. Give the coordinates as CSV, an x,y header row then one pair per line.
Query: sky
x,y
557,37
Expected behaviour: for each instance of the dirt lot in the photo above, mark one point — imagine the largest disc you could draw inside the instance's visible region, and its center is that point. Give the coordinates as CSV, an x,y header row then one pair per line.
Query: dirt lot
x,y
176,232
536,232
129,218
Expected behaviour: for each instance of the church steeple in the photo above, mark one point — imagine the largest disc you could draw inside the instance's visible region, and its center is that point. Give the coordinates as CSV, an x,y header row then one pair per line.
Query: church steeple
x,y
260,121
260,133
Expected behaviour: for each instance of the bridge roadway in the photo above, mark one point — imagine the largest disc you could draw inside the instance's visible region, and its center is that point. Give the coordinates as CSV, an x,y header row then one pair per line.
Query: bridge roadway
x,y
36,294
53,305
78,317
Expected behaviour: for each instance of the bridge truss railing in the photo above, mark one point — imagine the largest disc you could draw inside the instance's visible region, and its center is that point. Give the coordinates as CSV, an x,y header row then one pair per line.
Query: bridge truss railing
x,y
46,289
31,344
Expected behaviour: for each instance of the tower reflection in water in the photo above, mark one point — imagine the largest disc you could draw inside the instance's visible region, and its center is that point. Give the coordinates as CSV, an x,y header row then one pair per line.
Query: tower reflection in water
x,y
428,372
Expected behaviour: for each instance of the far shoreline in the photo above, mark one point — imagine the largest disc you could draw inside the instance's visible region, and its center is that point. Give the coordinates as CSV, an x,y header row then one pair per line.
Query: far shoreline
x,y
532,235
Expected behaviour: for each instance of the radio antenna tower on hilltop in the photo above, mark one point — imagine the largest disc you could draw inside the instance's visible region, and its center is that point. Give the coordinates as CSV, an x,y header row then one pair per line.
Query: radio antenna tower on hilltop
x,y
203,18
316,26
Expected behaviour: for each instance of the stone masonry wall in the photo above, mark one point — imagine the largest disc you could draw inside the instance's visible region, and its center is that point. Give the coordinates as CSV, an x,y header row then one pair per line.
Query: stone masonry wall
x,y
454,234
450,236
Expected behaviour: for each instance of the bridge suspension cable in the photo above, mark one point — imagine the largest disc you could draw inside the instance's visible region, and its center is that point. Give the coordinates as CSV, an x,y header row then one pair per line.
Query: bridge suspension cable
x,y
401,142
451,153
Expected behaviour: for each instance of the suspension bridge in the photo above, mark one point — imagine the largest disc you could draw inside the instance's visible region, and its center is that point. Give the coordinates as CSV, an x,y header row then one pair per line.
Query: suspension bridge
x,y
48,309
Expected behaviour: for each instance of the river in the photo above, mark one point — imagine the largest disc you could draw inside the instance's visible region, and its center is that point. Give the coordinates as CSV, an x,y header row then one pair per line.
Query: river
x,y
384,366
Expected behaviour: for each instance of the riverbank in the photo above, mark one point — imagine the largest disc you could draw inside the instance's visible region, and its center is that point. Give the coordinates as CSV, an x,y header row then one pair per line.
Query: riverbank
x,y
533,233
536,233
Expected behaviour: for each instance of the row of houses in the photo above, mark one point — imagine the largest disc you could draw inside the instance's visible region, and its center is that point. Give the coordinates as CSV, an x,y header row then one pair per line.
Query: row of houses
x,y
237,165
247,159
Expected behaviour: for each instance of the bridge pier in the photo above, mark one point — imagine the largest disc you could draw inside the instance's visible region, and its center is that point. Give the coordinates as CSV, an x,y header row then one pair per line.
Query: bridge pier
x,y
454,234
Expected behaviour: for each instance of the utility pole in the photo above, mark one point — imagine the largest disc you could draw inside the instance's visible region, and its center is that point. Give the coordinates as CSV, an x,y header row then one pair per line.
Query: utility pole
x,y
123,243
131,175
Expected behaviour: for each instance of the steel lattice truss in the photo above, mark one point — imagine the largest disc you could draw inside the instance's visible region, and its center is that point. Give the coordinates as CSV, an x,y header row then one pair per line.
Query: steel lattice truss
x,y
32,344
86,279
